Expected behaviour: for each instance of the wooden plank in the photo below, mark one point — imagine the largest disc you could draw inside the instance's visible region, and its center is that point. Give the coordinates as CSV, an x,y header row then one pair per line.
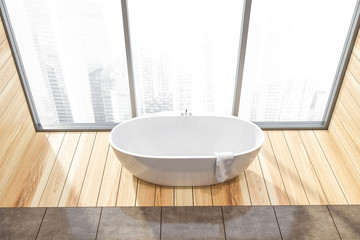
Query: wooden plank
x,y
16,98
273,179
354,66
8,93
16,119
57,178
344,118
183,196
202,196
5,52
164,196
356,49
7,72
239,191
127,189
353,86
13,118
256,184
11,128
36,185
340,135
145,196
15,115
23,167
341,165
2,34
328,180
221,195
111,180
310,181
11,156
343,133
292,181
92,182
72,188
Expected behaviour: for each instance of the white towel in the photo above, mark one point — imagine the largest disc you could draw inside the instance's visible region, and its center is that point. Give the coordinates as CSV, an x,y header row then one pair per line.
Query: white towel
x,y
223,165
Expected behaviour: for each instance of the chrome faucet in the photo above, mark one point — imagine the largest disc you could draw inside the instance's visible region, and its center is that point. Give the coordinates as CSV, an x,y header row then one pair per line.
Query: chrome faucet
x,y
186,113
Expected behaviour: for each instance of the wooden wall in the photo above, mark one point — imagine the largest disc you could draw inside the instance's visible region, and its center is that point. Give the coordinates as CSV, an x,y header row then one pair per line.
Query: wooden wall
x,y
79,169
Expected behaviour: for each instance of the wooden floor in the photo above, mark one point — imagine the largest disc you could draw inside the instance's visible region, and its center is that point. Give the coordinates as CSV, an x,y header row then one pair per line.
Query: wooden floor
x,y
80,169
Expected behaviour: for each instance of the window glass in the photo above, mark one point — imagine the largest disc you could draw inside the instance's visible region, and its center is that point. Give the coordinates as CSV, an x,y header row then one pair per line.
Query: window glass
x,y
185,54
293,51
74,57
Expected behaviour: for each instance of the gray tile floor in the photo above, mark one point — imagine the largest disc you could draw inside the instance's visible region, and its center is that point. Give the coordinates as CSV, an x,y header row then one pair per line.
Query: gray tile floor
x,y
257,222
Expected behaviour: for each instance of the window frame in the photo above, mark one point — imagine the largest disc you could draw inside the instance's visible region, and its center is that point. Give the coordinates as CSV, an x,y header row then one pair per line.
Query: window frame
x,y
278,125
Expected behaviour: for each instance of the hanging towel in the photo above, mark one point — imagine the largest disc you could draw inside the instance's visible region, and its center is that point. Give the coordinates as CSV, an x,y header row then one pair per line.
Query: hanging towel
x,y
223,165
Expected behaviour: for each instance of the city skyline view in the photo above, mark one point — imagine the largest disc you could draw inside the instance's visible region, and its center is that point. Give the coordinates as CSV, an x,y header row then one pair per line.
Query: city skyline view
x,y
183,58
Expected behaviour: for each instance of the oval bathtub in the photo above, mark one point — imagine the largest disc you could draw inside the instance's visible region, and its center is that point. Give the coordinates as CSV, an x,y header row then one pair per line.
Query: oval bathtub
x,y
180,150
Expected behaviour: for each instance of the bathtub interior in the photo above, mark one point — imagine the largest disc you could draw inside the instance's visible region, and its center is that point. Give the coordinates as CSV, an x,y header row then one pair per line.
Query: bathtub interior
x,y
186,136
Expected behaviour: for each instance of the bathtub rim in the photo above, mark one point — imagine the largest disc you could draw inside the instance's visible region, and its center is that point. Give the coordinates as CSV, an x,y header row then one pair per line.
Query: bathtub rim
x,y
187,156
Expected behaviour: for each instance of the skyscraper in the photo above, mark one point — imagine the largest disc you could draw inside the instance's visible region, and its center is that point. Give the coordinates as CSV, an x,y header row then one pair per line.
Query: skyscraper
x,y
46,51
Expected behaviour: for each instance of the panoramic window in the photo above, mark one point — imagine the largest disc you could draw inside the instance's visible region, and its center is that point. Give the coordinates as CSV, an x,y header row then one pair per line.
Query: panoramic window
x,y
293,52
184,57
74,58
92,64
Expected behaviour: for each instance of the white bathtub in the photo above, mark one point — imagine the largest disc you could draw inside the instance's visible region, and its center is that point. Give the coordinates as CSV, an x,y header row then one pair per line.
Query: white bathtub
x,y
180,150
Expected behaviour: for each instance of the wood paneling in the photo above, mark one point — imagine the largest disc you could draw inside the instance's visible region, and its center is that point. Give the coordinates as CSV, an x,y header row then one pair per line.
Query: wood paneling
x,y
5,52
13,188
14,152
35,187
8,93
328,180
127,189
164,196
183,196
145,196
2,34
81,169
239,191
110,182
256,184
75,178
6,72
341,166
310,181
202,196
57,178
94,174
293,184
272,175
221,195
